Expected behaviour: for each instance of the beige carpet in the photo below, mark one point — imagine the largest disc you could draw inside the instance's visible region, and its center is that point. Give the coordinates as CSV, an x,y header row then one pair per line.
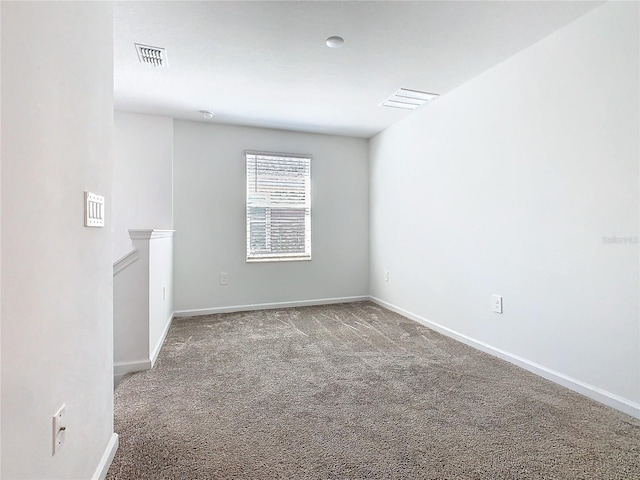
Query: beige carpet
x,y
353,391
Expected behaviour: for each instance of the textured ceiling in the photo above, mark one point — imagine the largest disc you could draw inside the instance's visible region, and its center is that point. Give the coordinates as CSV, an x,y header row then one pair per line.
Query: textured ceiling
x,y
266,64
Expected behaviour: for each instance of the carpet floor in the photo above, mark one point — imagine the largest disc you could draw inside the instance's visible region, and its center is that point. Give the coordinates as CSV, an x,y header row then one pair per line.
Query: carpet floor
x,y
353,391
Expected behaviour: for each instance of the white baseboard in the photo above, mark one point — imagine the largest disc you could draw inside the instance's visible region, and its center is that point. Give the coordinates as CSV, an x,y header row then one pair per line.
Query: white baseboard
x,y
121,368
107,457
267,306
607,398
158,347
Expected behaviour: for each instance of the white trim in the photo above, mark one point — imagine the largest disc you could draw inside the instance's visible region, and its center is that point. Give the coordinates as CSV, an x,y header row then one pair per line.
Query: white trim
x,y
149,234
121,368
158,347
277,154
107,457
275,258
267,306
607,398
130,258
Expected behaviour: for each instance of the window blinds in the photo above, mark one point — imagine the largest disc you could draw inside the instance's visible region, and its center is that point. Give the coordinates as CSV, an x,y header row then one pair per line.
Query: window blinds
x,y
278,207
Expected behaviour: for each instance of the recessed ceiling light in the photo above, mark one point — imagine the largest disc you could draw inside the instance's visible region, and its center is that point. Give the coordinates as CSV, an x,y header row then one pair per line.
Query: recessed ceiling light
x,y
334,42
408,99
206,113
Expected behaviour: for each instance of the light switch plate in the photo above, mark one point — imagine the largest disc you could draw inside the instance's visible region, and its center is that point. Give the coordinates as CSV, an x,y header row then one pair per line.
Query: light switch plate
x,y
93,210
59,429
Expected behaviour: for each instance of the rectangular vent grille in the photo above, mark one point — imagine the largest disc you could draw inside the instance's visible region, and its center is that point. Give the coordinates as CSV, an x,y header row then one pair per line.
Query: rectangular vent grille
x,y
408,99
155,56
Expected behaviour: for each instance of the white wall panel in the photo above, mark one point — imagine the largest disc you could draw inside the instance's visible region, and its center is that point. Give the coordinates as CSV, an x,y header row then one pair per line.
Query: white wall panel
x,y
512,184
57,336
210,218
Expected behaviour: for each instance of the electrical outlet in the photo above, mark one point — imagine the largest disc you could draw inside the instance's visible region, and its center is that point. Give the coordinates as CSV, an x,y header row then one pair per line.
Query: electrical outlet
x,y
59,429
386,276
164,293
497,303
223,278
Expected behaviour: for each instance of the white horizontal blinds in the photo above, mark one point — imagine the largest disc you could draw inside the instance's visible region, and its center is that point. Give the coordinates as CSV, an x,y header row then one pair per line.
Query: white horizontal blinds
x,y
278,207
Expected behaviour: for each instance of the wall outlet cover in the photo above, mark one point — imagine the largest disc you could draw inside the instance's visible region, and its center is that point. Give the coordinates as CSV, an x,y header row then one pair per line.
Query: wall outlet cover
x,y
497,303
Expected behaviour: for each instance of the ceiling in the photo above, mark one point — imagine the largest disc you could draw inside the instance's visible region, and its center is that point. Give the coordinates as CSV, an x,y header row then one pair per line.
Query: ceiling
x,y
266,63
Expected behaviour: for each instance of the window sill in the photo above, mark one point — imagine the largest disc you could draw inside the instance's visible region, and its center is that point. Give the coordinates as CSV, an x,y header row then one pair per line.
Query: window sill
x,y
278,259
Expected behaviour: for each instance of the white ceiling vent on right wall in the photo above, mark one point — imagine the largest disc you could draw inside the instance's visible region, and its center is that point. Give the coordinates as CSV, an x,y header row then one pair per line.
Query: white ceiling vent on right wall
x,y
408,99
156,56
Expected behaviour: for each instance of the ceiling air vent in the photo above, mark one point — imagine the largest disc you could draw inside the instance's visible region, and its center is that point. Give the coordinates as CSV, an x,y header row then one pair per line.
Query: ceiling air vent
x,y
408,99
155,56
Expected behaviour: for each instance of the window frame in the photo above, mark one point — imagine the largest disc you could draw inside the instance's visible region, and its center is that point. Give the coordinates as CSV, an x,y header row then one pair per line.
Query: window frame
x,y
282,257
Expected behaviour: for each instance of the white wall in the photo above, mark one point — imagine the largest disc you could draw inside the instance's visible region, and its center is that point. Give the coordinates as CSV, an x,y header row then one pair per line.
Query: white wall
x,y
142,301
160,291
0,251
507,186
209,202
57,121
131,316
143,169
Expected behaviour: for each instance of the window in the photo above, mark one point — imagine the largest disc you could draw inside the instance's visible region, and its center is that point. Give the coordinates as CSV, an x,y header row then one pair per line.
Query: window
x,y
278,207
